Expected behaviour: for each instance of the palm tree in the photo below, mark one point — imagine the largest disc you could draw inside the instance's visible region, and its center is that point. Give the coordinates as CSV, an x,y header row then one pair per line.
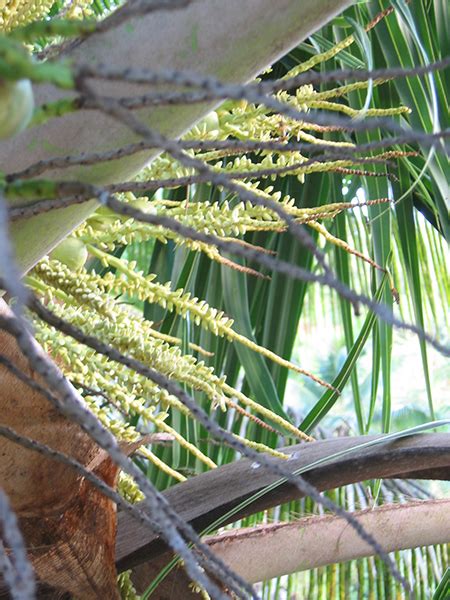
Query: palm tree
x,y
116,305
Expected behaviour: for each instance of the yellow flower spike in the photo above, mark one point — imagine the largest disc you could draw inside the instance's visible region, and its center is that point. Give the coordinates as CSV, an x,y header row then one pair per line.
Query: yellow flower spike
x,y
307,137
170,339
250,416
20,12
320,58
200,350
197,590
353,112
328,211
148,454
172,402
121,431
128,489
266,413
341,244
125,334
214,254
126,587
343,90
332,52
261,447
202,314
277,359
162,426
200,383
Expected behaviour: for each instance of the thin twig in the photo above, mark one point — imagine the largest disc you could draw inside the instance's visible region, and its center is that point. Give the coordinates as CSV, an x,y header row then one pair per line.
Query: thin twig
x,y
428,140
14,564
255,93
221,89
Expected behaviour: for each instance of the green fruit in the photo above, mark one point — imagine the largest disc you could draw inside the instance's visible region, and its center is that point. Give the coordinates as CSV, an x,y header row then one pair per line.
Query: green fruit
x,y
71,252
16,106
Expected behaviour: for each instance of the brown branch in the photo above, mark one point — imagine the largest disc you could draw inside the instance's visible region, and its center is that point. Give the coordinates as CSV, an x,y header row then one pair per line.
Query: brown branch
x,y
283,548
203,499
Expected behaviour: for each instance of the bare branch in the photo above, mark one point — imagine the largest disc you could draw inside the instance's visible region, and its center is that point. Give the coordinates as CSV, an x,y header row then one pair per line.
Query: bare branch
x,y
214,89
428,140
14,563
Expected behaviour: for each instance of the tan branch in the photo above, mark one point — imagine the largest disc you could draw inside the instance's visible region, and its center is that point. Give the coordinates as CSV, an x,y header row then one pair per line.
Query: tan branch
x,y
268,551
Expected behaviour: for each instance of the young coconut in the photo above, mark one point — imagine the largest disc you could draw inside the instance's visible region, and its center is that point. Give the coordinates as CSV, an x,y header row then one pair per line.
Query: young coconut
x,y
16,106
71,252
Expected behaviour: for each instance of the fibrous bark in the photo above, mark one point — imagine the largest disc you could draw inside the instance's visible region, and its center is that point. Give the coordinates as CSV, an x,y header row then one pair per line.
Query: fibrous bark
x,y
69,526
